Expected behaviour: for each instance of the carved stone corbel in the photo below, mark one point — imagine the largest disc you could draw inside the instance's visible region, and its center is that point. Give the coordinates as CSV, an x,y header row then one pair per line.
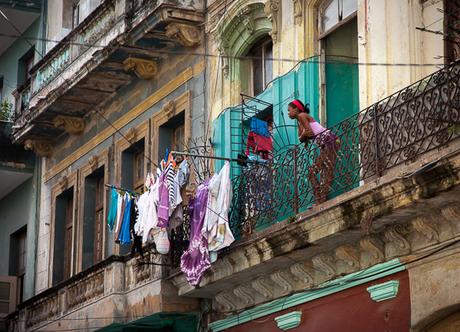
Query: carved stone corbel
x,y
226,301
93,162
246,19
304,272
373,251
63,182
325,264
244,293
41,147
349,255
298,11
187,35
131,135
71,124
280,279
426,228
271,9
169,109
262,286
397,244
144,69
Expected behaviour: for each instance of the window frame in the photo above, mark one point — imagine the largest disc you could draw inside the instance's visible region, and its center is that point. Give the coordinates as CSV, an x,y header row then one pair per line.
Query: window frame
x,y
261,44
321,8
94,163
160,118
75,14
62,185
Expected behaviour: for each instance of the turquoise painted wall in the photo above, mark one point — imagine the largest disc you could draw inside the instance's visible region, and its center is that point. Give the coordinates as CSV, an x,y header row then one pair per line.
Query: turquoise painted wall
x,y
301,82
18,209
9,59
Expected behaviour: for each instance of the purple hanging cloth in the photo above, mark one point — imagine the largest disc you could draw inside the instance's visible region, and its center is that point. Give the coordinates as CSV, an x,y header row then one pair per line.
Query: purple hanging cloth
x,y
195,260
163,203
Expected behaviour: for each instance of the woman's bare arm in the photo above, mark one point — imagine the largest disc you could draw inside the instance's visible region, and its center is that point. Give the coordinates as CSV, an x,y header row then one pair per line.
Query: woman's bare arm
x,y
307,132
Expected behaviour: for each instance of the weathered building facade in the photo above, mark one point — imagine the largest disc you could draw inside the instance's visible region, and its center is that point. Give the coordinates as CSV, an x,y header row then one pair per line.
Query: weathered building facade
x,y
19,169
110,93
380,253
120,81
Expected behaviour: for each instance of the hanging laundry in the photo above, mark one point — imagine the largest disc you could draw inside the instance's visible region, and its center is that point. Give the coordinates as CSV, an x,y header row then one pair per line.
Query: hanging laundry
x,y
195,260
183,173
260,127
163,202
162,242
112,214
124,236
124,199
259,144
136,240
219,234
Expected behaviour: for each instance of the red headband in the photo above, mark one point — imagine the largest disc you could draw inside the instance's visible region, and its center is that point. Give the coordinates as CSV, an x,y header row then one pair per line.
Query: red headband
x,y
298,105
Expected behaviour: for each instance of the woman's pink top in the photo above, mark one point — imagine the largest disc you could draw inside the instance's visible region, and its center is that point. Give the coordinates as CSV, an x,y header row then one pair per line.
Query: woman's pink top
x,y
317,128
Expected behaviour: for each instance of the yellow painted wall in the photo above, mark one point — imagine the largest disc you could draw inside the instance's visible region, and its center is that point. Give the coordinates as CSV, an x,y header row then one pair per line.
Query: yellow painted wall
x,y
387,34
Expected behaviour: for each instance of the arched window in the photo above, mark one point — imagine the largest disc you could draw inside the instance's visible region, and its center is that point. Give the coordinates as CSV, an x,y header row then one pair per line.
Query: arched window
x,y
261,55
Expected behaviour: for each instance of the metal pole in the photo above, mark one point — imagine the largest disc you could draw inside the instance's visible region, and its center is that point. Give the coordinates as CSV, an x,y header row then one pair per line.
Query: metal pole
x,y
179,153
296,192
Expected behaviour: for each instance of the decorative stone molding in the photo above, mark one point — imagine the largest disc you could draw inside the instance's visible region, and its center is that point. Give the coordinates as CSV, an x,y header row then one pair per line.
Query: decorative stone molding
x,y
131,135
85,290
144,69
71,124
245,294
40,147
272,10
246,19
93,163
281,279
397,243
44,310
187,35
63,182
304,272
349,255
298,11
226,301
325,264
169,109
372,250
289,321
262,286
385,291
426,228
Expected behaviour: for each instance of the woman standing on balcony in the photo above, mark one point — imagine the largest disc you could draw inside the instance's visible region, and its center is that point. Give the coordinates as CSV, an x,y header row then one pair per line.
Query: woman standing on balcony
x,y
321,173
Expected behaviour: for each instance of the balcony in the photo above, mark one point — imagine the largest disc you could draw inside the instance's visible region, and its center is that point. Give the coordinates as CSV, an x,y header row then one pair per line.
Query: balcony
x,y
118,289
394,192
113,46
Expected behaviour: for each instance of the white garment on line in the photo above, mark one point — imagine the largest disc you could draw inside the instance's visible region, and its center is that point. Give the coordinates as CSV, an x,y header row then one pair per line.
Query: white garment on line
x,y
216,225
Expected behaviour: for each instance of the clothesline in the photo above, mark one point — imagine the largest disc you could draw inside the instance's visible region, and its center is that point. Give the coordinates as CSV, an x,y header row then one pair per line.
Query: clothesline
x,y
122,189
238,160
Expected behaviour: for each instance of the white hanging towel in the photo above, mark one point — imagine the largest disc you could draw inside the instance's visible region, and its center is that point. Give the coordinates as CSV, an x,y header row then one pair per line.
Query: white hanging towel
x,y
219,234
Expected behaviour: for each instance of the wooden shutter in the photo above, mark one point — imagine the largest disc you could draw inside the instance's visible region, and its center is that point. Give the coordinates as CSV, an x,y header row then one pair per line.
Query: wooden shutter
x,y
8,295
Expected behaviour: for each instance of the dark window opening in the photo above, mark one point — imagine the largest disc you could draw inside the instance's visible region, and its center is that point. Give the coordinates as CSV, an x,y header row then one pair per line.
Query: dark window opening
x,y
261,65
93,219
172,135
25,64
63,236
132,166
18,252
451,30
1,89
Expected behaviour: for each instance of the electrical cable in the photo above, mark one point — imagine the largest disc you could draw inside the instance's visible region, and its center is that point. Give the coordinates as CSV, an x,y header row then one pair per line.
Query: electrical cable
x,y
233,57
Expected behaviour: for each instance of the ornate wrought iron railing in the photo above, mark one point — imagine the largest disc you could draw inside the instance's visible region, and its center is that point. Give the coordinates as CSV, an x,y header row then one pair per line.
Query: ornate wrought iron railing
x,y
394,130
